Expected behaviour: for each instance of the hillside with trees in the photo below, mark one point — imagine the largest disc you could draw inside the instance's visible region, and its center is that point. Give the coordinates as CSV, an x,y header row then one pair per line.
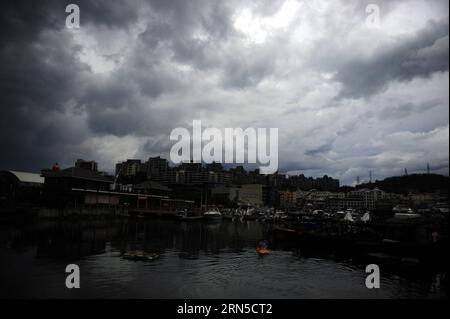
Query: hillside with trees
x,y
421,183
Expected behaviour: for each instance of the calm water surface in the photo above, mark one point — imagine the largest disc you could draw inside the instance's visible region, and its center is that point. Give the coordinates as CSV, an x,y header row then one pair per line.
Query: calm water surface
x,y
197,260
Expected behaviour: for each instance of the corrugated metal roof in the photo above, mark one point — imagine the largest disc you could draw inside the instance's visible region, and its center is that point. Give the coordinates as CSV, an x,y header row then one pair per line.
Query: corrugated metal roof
x,y
26,177
77,172
151,185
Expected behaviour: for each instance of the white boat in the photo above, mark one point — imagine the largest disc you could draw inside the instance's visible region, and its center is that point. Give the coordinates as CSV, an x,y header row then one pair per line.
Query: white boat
x,y
340,213
402,209
212,214
366,217
406,215
348,217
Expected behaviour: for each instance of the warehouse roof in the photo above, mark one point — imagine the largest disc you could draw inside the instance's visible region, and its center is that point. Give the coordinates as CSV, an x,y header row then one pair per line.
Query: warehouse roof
x,y
26,177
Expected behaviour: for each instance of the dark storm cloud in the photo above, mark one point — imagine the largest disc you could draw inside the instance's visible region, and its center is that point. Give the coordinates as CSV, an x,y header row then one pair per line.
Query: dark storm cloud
x,y
124,103
418,56
189,31
247,72
128,95
26,19
29,18
137,69
212,15
321,149
41,74
158,145
38,76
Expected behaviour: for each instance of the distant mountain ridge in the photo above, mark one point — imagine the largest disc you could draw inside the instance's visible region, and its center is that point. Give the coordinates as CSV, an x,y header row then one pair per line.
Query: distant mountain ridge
x,y
422,183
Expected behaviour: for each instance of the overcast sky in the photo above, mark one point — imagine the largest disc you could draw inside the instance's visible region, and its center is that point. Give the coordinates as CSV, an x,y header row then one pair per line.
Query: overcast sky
x,y
347,98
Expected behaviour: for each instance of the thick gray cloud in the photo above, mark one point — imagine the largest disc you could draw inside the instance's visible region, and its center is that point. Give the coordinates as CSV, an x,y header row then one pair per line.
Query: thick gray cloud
x,y
419,55
346,98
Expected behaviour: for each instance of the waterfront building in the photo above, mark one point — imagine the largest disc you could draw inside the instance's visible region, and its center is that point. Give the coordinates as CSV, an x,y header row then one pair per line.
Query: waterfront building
x,y
220,177
191,166
82,191
153,188
20,188
76,187
225,194
214,167
238,175
157,167
317,198
151,194
166,177
194,177
129,168
324,183
369,196
327,183
287,199
251,194
421,199
277,180
337,204
255,177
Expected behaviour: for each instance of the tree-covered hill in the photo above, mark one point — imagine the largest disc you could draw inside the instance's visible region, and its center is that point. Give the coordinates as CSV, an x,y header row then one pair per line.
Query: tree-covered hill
x,y
423,183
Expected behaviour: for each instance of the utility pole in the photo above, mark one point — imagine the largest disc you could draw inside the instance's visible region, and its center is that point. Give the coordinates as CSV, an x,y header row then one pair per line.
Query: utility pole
x,y
406,172
370,177
116,177
428,168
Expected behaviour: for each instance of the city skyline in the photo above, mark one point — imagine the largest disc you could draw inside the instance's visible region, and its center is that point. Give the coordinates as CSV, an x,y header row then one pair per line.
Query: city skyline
x,y
368,177
347,98
159,164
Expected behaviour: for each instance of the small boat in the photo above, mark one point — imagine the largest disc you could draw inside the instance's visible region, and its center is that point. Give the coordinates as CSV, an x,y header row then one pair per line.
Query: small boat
x,y
185,216
349,217
262,247
280,216
140,256
366,217
212,215
406,215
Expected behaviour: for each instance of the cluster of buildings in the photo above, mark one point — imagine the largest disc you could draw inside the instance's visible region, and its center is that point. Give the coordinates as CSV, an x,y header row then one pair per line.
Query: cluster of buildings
x,y
152,184
155,185
358,199
363,199
213,184
158,169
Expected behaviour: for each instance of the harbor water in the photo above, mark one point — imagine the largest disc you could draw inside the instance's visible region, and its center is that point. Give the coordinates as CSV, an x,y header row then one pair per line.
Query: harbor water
x,y
197,259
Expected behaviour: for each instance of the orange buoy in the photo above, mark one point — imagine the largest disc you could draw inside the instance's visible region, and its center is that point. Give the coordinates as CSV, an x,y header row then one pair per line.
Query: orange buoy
x,y
263,251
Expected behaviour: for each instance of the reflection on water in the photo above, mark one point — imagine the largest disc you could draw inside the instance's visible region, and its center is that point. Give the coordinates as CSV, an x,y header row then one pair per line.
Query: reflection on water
x,y
197,260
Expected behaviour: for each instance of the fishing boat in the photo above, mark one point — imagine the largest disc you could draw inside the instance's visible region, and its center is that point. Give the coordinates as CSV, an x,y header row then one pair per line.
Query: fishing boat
x,y
181,214
366,217
349,218
250,214
140,256
280,216
212,215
